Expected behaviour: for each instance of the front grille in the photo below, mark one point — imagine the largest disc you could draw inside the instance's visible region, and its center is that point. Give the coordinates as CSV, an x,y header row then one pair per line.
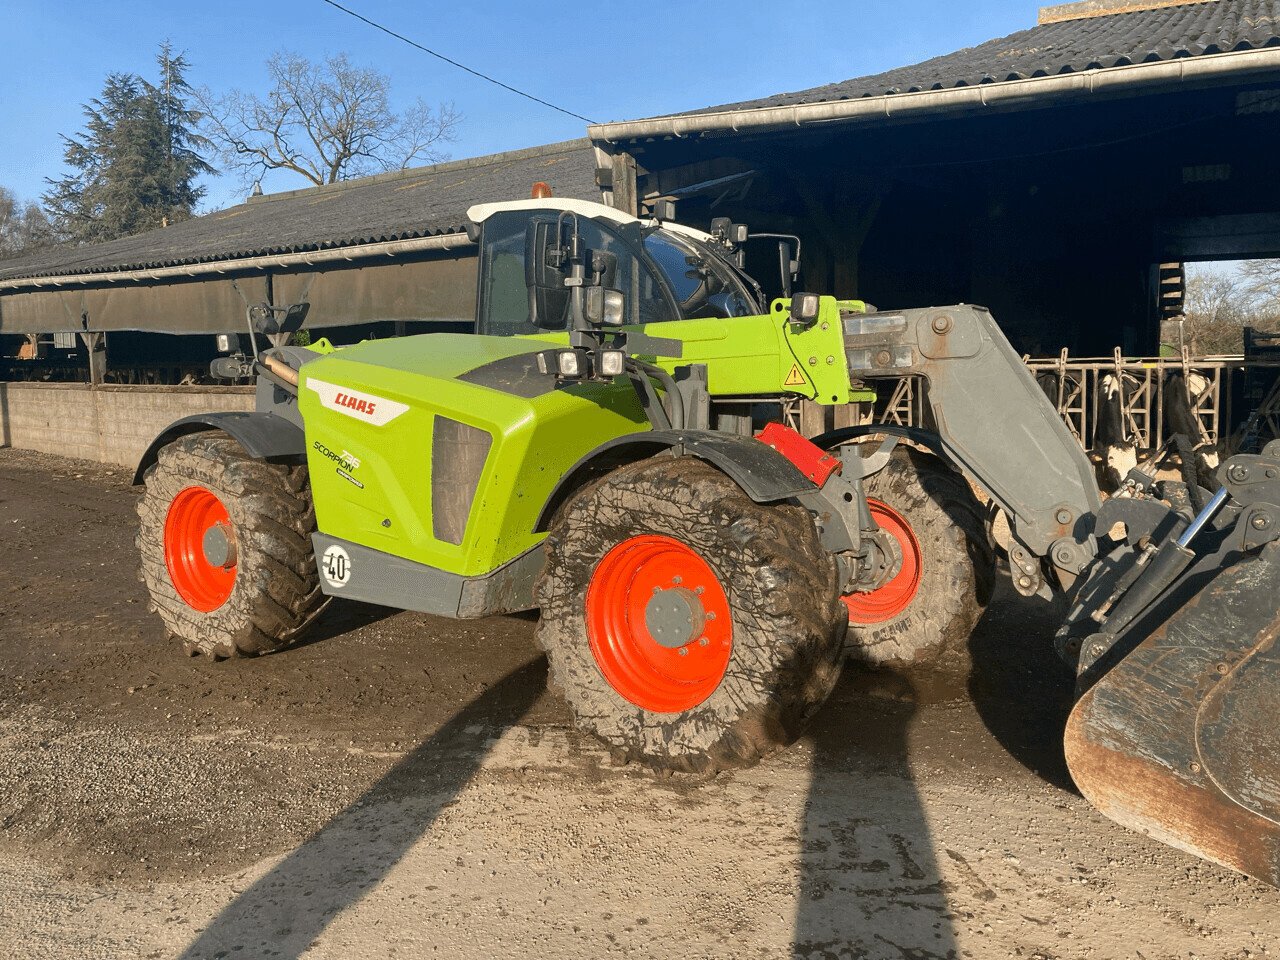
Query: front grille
x,y
458,453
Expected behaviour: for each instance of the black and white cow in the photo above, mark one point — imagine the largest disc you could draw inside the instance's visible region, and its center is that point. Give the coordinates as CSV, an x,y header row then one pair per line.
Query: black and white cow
x,y
1180,396
1112,441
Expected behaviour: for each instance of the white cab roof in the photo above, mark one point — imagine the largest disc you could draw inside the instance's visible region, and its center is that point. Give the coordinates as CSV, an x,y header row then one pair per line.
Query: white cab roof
x,y
583,208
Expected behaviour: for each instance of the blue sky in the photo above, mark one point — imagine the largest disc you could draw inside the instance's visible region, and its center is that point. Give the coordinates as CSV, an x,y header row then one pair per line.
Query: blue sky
x,y
667,57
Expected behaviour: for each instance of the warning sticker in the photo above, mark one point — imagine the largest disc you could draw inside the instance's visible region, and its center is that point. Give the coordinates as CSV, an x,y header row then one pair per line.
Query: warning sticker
x,y
336,566
795,378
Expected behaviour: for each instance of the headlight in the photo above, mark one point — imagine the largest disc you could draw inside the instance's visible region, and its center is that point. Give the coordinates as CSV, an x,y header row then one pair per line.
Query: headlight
x,y
605,307
568,363
612,363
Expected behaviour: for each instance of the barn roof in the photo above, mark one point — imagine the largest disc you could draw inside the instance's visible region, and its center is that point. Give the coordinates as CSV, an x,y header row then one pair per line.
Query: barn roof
x,y
1062,47
1068,46
406,204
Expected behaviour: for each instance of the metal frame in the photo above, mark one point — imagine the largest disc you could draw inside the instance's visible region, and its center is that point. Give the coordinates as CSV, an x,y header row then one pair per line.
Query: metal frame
x,y
1079,395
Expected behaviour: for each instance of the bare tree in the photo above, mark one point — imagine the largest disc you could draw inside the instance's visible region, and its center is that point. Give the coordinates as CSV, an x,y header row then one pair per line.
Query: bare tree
x,y
326,121
24,227
1219,305
1262,279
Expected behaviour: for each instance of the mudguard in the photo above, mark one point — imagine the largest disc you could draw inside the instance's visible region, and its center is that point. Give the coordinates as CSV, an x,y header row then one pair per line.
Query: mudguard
x,y
264,436
764,474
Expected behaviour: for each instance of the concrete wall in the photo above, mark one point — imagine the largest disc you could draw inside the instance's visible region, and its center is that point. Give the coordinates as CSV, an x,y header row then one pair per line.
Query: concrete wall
x,y
110,424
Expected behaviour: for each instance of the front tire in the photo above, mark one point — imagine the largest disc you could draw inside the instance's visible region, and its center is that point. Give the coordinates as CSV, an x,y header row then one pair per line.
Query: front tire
x,y
226,548
688,627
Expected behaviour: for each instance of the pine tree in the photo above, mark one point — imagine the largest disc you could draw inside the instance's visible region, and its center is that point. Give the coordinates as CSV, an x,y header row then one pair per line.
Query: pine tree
x,y
135,164
185,165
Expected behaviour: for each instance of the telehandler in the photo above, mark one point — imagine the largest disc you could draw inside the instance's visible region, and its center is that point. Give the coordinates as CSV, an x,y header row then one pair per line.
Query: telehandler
x,y
610,446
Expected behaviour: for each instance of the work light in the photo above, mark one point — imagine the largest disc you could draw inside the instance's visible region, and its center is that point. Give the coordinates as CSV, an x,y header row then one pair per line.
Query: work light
x,y
612,363
605,307
568,363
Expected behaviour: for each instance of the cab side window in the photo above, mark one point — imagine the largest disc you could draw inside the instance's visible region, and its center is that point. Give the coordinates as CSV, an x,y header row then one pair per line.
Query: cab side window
x,y
504,300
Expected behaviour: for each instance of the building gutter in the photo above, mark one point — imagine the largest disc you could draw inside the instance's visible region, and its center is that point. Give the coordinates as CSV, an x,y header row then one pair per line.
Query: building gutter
x,y
389,248
899,105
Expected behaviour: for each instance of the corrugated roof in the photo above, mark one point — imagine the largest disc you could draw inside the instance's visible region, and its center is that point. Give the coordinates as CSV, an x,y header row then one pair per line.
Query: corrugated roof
x,y
1114,40
404,205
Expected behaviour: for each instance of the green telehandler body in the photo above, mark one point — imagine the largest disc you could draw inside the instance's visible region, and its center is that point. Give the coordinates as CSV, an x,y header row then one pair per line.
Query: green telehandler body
x,y
615,445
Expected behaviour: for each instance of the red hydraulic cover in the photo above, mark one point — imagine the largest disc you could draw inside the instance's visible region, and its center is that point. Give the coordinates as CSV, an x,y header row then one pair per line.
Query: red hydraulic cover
x,y
814,462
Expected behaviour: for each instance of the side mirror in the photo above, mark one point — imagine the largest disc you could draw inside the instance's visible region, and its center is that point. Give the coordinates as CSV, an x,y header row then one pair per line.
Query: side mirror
x,y
604,307
545,262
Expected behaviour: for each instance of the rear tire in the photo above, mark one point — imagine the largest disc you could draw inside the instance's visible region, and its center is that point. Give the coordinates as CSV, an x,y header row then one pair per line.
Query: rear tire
x,y
626,539
954,574
270,591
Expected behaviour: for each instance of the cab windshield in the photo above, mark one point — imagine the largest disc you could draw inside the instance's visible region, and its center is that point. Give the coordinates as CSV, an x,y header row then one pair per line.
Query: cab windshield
x,y
704,285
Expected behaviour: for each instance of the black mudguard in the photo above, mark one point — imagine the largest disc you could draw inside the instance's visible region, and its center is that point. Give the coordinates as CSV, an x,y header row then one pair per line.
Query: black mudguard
x,y
264,436
764,474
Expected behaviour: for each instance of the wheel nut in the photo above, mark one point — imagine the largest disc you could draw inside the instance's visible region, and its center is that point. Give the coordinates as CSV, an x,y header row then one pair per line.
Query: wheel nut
x,y
684,651
703,641
1222,669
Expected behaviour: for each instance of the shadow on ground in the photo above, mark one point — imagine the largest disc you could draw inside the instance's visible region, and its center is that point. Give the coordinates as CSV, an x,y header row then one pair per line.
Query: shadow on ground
x,y
870,883
1018,685
870,886
286,910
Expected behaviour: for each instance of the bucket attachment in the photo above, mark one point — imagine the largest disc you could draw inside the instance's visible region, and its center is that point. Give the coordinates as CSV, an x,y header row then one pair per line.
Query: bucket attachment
x,y
1177,737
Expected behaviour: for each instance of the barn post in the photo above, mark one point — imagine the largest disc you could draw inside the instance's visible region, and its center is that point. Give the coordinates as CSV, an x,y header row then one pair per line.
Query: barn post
x,y
95,342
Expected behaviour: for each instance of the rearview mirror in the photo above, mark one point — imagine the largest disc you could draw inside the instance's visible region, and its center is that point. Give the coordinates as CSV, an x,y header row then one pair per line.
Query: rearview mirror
x,y
545,261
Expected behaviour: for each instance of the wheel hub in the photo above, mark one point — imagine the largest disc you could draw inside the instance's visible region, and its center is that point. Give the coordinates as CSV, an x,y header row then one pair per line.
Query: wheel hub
x,y
219,546
674,617
659,624
903,566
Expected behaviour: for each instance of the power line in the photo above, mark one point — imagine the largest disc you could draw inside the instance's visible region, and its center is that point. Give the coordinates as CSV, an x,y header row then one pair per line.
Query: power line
x,y
460,66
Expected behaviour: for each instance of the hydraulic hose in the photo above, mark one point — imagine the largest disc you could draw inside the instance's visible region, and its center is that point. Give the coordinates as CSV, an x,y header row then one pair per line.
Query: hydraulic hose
x,y
677,416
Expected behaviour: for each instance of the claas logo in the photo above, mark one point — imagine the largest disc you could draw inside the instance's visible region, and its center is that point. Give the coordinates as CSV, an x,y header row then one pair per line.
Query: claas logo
x,y
356,404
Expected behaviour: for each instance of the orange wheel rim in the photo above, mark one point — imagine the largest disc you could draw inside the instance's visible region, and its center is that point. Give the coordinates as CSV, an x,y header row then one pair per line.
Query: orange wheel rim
x,y
894,596
651,585
192,516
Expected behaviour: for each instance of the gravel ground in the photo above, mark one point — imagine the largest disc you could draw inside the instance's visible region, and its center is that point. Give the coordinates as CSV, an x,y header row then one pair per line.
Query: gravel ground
x,y
402,785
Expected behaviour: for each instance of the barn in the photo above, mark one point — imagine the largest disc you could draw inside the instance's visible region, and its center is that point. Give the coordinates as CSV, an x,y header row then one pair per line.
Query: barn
x,y
1048,174
1062,176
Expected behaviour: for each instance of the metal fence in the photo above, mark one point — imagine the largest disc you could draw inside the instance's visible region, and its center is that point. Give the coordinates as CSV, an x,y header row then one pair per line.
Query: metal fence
x,y
1222,392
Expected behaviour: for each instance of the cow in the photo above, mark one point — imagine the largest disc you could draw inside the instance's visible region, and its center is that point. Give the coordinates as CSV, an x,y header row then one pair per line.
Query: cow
x,y
1112,442
1181,394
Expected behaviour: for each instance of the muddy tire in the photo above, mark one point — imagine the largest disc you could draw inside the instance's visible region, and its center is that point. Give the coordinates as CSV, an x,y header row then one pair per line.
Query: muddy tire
x,y
206,498
925,615
671,547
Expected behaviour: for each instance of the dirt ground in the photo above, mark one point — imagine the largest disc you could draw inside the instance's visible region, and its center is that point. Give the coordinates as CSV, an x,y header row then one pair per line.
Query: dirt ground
x,y
404,786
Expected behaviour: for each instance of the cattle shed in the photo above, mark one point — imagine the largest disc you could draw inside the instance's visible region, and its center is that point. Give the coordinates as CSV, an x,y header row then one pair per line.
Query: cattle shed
x,y
377,256
1047,174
